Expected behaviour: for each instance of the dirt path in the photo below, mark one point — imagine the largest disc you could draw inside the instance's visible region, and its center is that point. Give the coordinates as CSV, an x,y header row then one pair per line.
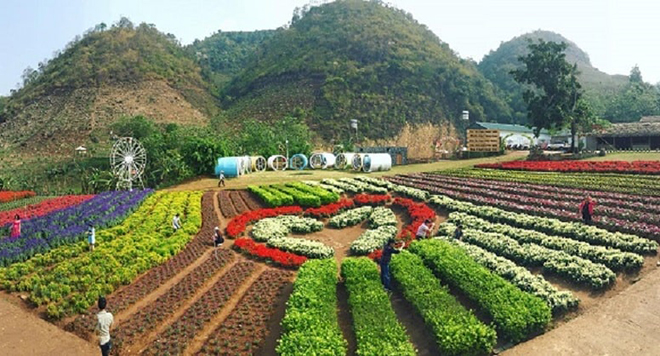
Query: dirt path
x,y
626,324
22,333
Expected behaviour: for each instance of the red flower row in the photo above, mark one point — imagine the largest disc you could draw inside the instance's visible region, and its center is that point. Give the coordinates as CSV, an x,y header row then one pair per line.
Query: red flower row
x,y
372,199
278,256
638,167
42,208
237,225
8,195
330,209
418,213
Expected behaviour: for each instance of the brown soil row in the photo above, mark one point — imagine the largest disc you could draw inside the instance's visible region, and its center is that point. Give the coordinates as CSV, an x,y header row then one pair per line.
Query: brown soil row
x,y
246,328
175,338
157,311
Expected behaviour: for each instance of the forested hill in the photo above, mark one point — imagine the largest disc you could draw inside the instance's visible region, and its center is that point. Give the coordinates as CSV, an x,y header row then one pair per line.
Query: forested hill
x,y
360,60
601,88
110,72
223,54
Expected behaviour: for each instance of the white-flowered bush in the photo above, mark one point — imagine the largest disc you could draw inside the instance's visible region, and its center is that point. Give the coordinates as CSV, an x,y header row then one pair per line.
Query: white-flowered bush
x,y
382,216
343,185
350,217
328,187
373,239
364,186
281,226
558,300
376,181
304,247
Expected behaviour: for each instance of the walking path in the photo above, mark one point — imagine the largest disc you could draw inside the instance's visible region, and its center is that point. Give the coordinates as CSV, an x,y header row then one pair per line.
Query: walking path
x,y
24,334
626,324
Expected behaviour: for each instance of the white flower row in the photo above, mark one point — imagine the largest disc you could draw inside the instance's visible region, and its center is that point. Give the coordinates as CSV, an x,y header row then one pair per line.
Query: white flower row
x,y
376,181
557,300
304,247
343,185
373,239
610,257
410,192
574,230
576,269
281,226
350,217
365,187
382,216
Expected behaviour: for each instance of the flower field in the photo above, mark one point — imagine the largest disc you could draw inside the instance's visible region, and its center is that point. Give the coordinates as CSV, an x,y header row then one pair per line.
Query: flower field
x,y
634,167
7,196
625,218
42,208
280,284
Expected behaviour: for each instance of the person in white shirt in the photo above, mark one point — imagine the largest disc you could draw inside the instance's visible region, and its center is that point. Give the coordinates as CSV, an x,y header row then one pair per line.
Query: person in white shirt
x,y
176,222
104,321
222,179
424,230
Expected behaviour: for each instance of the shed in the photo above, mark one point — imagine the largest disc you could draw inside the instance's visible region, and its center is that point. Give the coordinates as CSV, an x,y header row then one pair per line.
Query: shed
x,y
644,134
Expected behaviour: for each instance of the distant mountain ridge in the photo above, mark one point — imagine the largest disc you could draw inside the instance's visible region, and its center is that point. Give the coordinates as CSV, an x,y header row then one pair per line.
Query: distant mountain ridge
x,y
497,66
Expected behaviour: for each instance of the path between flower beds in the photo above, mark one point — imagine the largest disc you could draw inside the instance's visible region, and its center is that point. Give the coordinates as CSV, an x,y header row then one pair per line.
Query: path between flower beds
x,y
24,334
626,324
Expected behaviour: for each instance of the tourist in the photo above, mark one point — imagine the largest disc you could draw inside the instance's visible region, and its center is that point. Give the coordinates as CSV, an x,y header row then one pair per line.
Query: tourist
x,y
424,230
176,222
218,240
385,259
222,179
16,227
587,210
458,233
104,321
91,237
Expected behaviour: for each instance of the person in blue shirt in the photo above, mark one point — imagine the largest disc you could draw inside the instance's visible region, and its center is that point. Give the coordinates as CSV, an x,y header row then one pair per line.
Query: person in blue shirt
x,y
91,237
385,259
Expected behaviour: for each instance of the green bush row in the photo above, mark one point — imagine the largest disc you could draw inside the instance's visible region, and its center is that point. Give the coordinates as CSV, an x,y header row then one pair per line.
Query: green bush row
x,y
326,196
271,197
516,314
310,325
377,329
457,330
301,198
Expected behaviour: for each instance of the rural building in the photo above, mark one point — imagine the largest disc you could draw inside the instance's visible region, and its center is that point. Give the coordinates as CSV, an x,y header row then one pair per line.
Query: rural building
x,y
641,135
513,135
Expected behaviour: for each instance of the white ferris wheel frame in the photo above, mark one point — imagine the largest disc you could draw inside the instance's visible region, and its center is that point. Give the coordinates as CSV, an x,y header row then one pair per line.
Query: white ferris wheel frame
x,y
128,160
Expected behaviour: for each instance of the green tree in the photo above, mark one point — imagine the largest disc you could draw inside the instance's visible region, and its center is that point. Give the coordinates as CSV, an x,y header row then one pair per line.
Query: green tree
x,y
553,93
635,100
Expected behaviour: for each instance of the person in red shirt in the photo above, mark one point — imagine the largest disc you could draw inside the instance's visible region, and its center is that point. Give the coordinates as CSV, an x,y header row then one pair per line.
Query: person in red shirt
x,y
587,210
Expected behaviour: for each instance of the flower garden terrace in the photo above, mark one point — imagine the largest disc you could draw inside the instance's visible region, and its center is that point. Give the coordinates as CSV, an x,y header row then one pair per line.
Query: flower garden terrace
x,y
297,252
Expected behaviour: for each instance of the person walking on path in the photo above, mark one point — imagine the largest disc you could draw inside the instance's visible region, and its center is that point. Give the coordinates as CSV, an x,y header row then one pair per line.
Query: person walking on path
x,y
91,237
385,259
587,210
176,222
218,240
16,227
424,230
103,323
222,179
458,233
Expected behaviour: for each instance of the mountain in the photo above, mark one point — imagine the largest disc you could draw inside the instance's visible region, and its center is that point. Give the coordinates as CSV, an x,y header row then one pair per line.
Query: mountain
x,y
362,60
224,54
600,87
111,72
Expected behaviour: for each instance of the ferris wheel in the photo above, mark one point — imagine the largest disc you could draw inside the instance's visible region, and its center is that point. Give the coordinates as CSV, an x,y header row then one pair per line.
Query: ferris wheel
x,y
127,160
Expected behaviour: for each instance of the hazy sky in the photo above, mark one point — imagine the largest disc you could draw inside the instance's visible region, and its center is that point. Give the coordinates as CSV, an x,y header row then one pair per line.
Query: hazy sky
x,y
617,34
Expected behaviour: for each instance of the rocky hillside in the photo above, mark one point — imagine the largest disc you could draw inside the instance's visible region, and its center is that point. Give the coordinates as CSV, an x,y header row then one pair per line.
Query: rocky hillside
x,y
108,73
